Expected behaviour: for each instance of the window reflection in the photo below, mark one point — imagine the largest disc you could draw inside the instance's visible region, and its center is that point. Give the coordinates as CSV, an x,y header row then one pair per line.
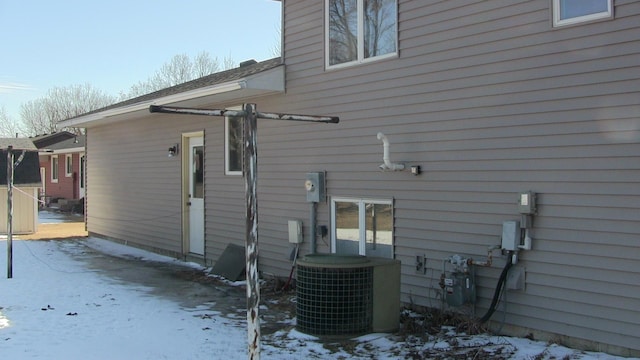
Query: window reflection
x,y
379,27
198,172
347,228
343,25
379,226
363,227
234,144
359,31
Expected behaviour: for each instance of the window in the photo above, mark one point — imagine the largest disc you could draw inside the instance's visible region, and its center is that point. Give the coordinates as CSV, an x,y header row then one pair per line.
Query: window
x,y
82,170
233,145
54,168
68,165
362,227
359,30
567,12
197,169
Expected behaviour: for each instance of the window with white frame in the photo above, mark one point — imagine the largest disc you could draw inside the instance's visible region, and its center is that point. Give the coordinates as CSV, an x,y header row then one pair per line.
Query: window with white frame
x,y
362,227
54,168
567,12
233,147
68,165
360,30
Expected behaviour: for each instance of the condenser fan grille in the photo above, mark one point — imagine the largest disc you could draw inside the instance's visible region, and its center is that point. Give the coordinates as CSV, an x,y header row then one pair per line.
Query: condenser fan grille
x,y
334,301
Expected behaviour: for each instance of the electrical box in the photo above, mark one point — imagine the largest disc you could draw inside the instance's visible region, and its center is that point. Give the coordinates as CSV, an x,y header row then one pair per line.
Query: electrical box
x,y
510,235
527,203
516,278
295,231
315,186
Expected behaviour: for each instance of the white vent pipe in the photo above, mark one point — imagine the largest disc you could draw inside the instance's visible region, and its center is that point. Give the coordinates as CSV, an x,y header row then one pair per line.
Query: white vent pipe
x,y
388,165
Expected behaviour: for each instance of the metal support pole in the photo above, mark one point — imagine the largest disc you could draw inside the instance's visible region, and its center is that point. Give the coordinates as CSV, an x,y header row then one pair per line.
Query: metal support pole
x,y
312,226
253,285
9,212
250,174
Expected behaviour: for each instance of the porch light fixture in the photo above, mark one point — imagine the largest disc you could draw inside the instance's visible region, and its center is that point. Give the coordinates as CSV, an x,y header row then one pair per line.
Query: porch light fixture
x,y
173,151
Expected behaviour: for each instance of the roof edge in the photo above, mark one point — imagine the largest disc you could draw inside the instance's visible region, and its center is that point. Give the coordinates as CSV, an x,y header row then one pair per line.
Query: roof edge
x,y
165,100
256,79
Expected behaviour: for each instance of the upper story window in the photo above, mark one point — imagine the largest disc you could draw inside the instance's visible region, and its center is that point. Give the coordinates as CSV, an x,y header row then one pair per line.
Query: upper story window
x,y
360,30
567,12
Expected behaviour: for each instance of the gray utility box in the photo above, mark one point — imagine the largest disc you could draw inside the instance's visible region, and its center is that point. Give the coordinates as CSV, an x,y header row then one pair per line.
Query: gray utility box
x,y
510,235
315,186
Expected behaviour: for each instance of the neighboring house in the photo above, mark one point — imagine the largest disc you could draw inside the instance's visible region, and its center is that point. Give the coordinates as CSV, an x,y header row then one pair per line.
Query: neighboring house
x,y
62,164
26,181
491,99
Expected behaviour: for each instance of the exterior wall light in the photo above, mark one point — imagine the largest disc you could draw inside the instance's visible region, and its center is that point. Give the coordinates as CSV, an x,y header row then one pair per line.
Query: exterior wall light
x,y
173,151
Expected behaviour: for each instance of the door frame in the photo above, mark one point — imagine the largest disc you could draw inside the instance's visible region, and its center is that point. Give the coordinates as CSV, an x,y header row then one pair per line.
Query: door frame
x,y
185,153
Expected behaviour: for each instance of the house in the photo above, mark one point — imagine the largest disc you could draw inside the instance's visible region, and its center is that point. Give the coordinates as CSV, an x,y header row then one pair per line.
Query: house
x,y
26,181
466,126
62,164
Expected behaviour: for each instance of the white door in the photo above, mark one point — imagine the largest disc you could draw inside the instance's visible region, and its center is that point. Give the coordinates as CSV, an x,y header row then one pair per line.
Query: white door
x,y
195,201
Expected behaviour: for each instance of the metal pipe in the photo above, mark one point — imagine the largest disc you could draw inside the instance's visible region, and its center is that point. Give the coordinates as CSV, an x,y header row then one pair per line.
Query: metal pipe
x,y
261,115
489,260
313,211
388,165
9,212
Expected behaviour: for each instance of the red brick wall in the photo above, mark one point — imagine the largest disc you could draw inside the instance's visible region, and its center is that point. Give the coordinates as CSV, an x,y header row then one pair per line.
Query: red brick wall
x,y
67,186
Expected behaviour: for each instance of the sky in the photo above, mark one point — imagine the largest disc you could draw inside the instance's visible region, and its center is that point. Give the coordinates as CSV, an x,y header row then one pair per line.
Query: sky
x,y
117,43
90,298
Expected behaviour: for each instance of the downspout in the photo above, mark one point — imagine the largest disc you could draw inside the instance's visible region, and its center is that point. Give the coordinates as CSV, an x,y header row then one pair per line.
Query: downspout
x,y
388,165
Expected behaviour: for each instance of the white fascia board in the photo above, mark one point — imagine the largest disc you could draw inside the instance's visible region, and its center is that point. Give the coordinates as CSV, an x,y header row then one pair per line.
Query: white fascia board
x,y
166,100
69,150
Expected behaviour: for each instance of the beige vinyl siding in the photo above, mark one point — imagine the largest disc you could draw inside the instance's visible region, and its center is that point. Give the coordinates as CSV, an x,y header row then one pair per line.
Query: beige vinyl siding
x,y
25,210
135,189
490,101
224,194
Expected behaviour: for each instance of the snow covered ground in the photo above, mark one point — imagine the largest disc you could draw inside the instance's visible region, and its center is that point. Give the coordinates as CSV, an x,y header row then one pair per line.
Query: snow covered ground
x,y
57,306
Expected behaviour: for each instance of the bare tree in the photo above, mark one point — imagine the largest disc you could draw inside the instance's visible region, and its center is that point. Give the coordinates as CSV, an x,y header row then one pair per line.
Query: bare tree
x,y
180,69
229,63
276,48
41,116
176,71
204,65
8,126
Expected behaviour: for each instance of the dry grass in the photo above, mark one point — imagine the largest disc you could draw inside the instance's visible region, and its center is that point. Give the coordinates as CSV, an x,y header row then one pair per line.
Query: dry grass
x,y
67,230
431,321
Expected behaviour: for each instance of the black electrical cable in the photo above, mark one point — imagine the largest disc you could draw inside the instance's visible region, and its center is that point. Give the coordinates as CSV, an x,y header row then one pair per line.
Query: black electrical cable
x,y
496,295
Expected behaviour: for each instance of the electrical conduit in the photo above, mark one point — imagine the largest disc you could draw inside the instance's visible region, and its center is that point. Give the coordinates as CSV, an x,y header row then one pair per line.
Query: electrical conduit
x,y
501,282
